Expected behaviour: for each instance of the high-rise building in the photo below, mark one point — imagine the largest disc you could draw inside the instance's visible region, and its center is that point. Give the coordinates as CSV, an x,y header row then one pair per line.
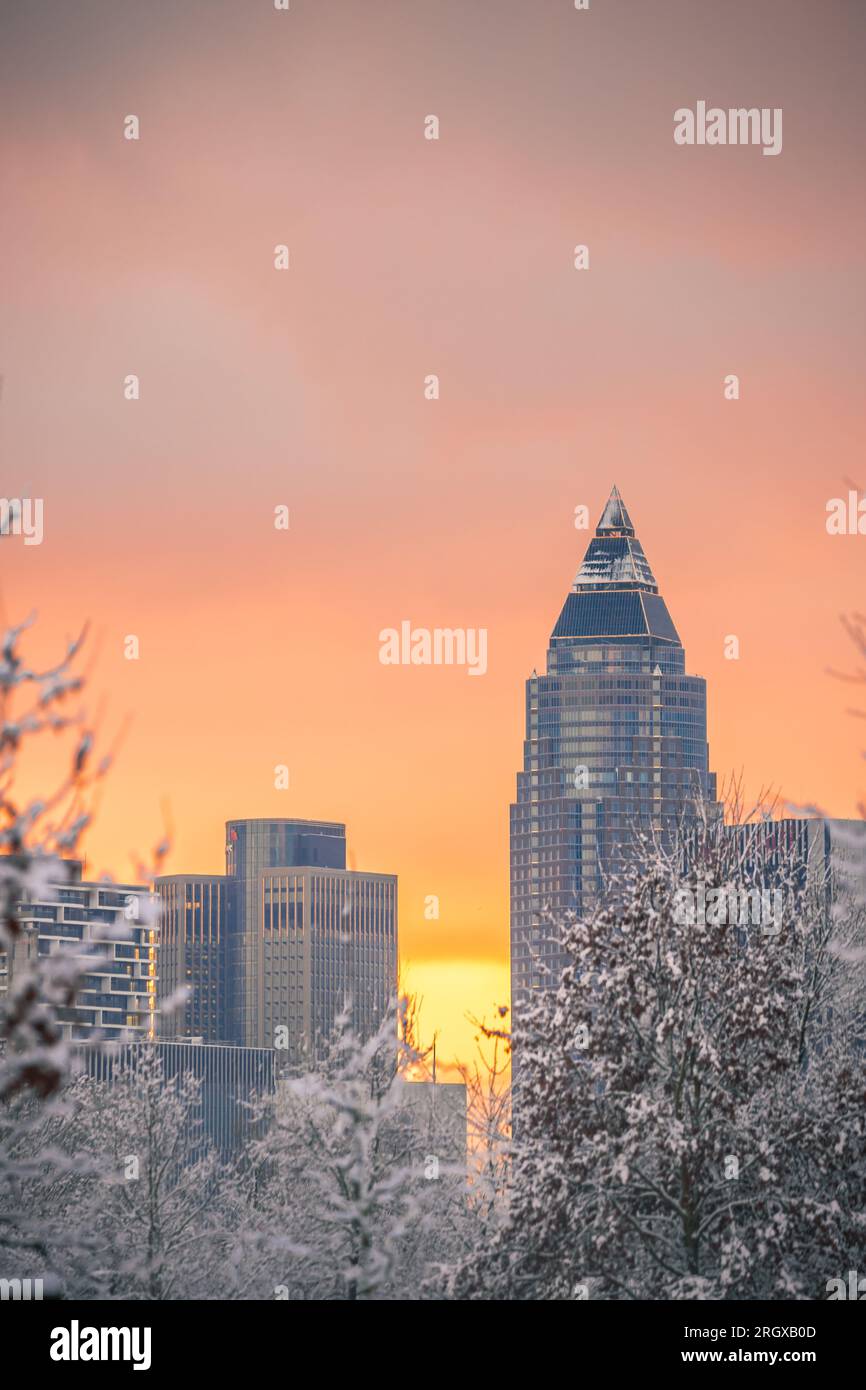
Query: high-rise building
x,y
275,949
255,848
616,740
112,930
823,854
192,954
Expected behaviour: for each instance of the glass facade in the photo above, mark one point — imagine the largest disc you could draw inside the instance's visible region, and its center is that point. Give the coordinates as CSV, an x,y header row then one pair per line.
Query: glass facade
x,y
329,938
274,950
254,847
193,954
616,739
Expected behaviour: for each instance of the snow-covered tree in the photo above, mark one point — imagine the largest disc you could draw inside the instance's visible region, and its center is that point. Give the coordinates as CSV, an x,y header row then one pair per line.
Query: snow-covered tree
x,y
134,1202
341,1184
34,835
690,1119
488,1106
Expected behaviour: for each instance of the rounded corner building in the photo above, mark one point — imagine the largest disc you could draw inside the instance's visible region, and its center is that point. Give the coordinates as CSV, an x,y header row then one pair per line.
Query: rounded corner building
x,y
616,739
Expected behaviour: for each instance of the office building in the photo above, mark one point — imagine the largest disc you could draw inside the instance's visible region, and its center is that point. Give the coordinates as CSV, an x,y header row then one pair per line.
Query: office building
x,y
616,741
193,927
275,949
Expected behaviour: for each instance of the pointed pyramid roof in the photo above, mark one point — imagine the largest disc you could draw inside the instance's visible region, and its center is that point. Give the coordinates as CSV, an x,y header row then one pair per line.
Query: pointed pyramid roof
x,y
614,556
615,593
615,518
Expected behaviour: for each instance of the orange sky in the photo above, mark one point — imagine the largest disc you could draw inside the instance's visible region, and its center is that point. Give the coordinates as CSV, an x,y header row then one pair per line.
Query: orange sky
x,y
305,388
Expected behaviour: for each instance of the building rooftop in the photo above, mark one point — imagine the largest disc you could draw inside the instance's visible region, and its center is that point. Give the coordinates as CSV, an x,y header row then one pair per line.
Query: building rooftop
x,y
615,594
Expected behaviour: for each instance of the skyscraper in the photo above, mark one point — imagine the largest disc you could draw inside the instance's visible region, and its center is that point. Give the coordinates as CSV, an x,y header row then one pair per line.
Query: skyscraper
x,y
193,922
273,950
253,848
616,739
